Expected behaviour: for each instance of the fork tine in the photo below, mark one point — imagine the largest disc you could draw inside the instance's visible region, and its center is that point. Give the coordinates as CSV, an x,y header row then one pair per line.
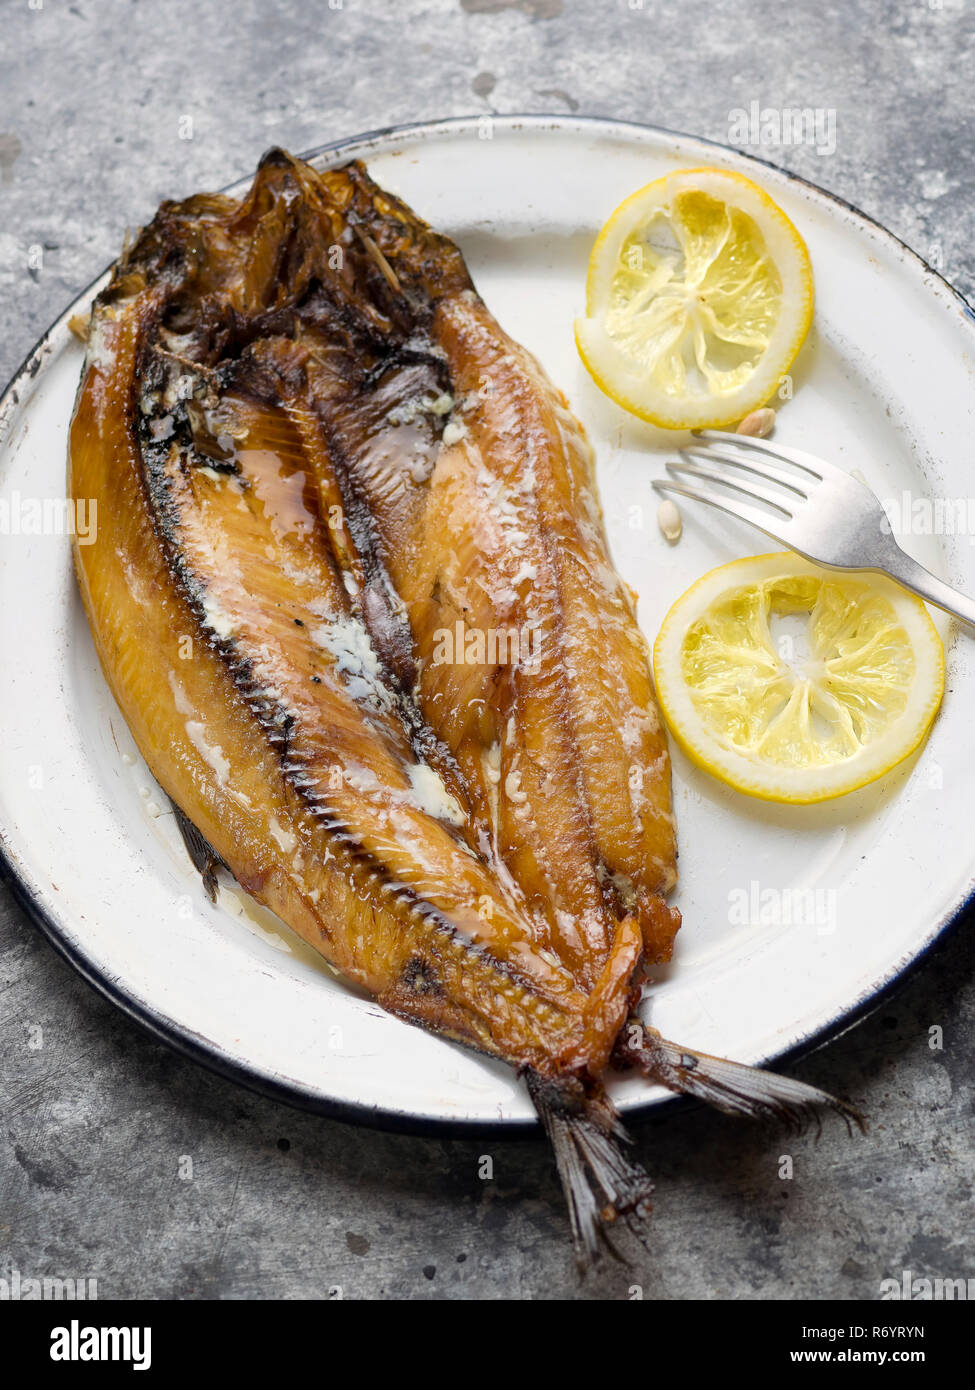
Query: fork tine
x,y
711,475
818,467
770,472
741,510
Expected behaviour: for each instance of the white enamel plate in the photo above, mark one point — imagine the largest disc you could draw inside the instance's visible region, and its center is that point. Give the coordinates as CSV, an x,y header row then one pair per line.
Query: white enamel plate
x,y
795,918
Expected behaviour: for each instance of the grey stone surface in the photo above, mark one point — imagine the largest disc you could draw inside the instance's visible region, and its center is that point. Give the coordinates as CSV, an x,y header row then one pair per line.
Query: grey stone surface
x,y
286,1205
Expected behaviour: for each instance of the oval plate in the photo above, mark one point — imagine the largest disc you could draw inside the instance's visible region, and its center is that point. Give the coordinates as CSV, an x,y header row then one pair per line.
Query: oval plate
x,y
795,919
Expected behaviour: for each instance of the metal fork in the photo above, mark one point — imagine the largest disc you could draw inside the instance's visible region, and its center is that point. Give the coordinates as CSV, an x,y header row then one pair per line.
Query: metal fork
x,y
811,506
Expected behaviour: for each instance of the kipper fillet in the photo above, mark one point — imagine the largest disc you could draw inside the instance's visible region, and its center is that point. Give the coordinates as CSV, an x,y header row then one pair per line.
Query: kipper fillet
x,y
324,476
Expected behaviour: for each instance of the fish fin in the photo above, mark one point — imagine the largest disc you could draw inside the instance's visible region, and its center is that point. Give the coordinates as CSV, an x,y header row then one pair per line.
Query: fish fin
x,y
203,856
660,924
731,1087
600,1183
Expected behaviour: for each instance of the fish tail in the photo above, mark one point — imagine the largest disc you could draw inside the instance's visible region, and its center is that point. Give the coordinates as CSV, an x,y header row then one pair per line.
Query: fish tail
x,y
730,1087
601,1184
204,858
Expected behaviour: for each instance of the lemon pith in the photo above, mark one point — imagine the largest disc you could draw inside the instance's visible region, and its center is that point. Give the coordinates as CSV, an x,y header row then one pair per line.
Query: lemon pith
x,y
777,723
698,297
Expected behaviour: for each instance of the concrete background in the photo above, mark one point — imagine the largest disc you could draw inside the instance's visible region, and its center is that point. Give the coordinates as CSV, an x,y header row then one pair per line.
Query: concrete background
x,y
286,1205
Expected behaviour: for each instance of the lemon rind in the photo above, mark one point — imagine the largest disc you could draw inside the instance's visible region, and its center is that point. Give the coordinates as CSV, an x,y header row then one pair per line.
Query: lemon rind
x,y
611,370
735,769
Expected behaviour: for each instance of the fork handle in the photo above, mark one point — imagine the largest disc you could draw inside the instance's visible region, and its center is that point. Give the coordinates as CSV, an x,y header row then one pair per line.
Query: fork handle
x,y
927,586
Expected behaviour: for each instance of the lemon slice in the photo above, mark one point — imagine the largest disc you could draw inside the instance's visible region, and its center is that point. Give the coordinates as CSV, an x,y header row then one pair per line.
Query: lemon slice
x,y
795,683
698,297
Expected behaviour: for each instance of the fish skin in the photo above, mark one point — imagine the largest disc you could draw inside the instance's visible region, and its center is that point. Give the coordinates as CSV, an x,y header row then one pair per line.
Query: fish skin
x,y
520,548
403,925
583,823
247,397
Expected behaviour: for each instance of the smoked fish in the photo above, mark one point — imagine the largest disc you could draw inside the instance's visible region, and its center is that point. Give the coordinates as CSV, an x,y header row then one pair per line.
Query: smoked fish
x,y
352,591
